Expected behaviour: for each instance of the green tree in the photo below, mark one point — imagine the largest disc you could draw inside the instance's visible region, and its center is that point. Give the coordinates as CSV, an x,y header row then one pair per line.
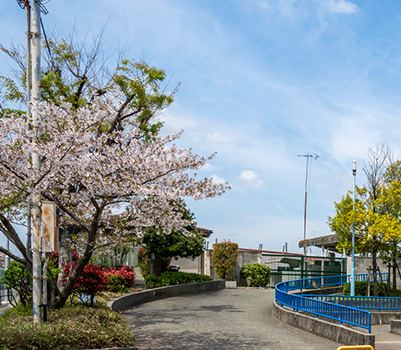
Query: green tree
x,y
76,71
224,259
163,247
130,97
376,222
375,213
18,279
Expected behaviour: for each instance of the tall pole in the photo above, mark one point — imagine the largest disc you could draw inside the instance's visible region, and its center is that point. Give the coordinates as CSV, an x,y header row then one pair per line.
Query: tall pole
x,y
306,193
353,233
306,190
36,211
28,107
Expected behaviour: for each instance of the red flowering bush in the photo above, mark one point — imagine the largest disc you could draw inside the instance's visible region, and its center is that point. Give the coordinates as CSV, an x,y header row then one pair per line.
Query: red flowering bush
x,y
224,259
120,280
90,282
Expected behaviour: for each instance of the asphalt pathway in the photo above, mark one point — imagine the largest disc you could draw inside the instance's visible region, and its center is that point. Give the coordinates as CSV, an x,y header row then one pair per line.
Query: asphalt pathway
x,y
227,319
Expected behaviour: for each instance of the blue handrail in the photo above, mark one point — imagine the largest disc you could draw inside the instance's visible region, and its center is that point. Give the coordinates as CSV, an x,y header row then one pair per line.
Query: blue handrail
x,y
361,302
322,305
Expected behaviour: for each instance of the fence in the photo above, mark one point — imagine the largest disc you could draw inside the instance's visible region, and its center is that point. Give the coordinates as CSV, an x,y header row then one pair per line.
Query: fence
x,y
325,307
3,291
376,303
287,267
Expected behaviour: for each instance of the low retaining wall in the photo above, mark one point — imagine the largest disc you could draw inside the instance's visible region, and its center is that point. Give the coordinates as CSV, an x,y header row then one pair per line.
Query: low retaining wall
x,y
322,328
396,327
384,317
321,291
146,296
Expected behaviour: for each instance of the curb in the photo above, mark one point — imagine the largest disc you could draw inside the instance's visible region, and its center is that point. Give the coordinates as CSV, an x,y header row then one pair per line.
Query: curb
x,y
322,328
145,296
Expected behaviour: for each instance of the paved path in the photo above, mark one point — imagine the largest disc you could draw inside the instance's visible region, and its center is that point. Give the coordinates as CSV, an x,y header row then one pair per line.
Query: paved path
x,y
227,319
386,340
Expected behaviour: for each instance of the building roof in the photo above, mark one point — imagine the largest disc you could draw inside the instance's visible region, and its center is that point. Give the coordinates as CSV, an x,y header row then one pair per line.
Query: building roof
x,y
268,252
205,232
328,242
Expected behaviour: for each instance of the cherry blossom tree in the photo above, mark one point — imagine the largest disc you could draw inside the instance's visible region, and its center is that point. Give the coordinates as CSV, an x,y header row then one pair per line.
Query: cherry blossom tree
x,y
109,182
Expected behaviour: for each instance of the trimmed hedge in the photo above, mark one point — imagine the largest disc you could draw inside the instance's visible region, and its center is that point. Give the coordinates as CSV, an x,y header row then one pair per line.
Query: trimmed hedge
x,y
360,288
170,278
67,328
258,275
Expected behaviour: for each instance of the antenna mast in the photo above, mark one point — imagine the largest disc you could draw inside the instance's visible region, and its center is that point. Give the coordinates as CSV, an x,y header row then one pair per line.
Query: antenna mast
x,y
307,183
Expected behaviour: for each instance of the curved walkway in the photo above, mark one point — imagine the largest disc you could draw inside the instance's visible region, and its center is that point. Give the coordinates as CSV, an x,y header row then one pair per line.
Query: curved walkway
x,y
227,319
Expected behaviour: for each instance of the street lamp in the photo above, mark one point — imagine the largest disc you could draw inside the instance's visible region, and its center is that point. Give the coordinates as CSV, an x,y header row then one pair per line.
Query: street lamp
x,y
353,233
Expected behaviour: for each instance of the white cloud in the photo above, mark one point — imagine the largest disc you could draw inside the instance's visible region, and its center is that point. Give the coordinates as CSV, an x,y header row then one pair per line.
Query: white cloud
x,y
341,6
208,167
251,179
218,180
174,123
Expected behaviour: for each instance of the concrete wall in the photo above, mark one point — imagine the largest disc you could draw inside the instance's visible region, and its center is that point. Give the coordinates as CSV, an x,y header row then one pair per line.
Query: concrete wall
x,y
145,296
395,327
205,265
363,263
322,328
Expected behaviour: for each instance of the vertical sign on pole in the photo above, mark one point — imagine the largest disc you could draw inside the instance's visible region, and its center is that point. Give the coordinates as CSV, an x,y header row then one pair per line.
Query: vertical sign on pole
x,y
50,235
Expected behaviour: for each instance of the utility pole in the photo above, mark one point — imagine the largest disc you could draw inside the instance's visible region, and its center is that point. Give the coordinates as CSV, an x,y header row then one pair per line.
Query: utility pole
x,y
36,207
28,108
308,165
352,291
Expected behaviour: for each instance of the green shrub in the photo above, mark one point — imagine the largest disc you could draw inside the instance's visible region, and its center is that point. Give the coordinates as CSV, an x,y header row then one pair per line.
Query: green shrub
x,y
258,275
144,261
67,328
360,288
224,259
120,280
169,278
17,277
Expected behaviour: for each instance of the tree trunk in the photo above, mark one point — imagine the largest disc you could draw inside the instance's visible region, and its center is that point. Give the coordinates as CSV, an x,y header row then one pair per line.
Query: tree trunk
x,y
394,274
158,264
374,263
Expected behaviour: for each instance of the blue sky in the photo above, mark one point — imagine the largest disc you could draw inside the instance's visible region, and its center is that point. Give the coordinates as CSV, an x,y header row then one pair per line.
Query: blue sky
x,y
263,81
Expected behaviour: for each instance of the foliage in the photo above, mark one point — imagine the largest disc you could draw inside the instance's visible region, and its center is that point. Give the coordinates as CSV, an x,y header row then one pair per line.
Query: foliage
x,y
376,215
224,259
90,175
120,280
186,243
375,219
66,328
100,149
19,279
169,278
175,244
257,274
144,261
90,282
361,287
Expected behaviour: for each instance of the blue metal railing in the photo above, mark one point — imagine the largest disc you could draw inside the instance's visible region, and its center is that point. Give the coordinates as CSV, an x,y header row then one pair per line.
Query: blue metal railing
x,y
361,302
322,305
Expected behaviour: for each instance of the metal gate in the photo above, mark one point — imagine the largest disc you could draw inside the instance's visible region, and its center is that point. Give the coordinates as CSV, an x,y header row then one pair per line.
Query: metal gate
x,y
286,267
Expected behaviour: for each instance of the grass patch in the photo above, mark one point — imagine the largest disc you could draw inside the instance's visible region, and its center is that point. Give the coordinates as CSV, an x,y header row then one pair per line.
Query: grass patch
x,y
73,327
